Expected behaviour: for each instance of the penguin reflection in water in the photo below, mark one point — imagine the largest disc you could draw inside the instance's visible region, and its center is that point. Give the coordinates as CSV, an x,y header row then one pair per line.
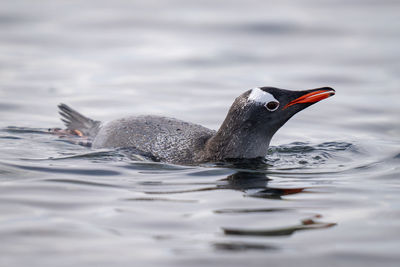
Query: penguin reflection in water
x,y
246,132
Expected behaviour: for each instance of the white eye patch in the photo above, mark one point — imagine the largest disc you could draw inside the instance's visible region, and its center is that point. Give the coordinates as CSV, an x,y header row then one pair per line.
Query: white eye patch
x,y
261,96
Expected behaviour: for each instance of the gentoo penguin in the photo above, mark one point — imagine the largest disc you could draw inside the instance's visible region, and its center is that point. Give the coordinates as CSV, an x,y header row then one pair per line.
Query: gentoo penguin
x,y
246,132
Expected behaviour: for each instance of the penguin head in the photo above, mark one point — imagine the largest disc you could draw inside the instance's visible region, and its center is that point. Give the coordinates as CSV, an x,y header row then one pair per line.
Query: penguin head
x,y
273,107
270,107
257,114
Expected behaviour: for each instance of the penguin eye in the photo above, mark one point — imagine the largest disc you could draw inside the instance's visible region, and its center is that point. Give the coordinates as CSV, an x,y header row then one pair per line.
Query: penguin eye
x,y
272,105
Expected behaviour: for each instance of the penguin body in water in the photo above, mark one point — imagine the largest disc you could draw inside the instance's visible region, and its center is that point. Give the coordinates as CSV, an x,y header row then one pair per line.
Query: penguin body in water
x,y
246,132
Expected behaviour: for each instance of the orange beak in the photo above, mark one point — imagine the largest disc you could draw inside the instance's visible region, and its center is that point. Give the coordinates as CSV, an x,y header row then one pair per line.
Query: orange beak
x,y
312,97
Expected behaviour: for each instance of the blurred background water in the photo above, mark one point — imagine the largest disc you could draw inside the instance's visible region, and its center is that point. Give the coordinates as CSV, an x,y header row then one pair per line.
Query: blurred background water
x,y
328,195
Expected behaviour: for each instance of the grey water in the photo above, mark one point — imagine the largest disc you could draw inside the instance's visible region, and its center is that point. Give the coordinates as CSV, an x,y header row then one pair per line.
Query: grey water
x,y
328,193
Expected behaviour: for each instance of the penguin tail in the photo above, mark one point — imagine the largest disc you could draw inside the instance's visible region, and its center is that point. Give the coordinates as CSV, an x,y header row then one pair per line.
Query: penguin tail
x,y
77,123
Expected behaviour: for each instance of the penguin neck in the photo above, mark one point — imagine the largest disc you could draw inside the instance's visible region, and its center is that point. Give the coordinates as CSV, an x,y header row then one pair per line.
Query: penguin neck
x,y
236,140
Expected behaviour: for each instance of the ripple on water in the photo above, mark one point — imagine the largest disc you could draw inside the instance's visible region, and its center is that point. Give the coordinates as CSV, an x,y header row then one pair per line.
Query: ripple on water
x,y
306,224
71,170
299,155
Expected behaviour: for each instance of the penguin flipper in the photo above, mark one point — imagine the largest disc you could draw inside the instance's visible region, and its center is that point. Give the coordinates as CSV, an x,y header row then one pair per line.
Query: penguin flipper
x,y
78,123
